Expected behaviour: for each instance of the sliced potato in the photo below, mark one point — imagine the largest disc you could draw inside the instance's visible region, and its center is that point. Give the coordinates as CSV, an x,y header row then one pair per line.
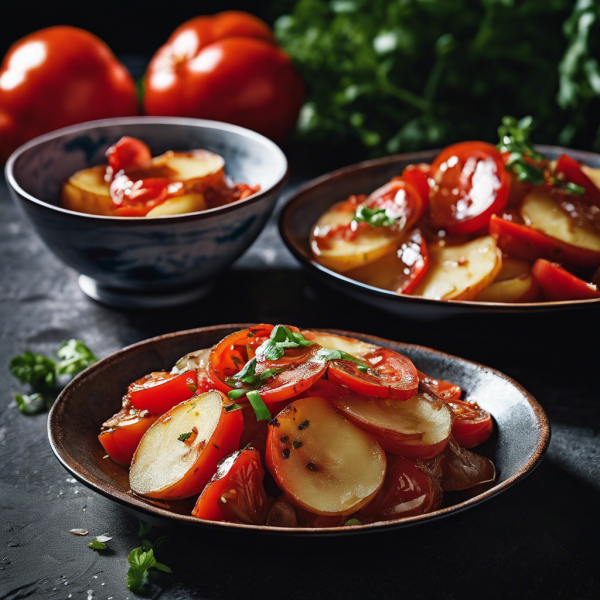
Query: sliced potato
x,y
541,212
323,463
331,341
179,205
417,428
593,174
87,191
512,267
523,288
179,453
342,255
460,272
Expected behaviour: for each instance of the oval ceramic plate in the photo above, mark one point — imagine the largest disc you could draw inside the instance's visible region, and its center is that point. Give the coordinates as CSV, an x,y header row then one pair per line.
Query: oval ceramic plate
x,y
522,431
306,205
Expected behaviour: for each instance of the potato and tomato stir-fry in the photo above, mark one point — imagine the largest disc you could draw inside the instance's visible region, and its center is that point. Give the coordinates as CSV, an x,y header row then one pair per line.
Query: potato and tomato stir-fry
x,y
134,184
292,428
482,223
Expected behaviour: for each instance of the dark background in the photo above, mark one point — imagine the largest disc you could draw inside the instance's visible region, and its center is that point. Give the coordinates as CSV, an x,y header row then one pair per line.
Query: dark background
x,y
128,27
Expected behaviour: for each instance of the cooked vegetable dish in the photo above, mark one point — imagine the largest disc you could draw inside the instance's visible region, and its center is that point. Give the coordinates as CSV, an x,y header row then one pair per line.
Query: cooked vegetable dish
x,y
485,223
292,428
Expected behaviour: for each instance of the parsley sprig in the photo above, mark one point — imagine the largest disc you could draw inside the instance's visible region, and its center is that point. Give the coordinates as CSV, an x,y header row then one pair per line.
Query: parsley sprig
x,y
42,373
142,559
375,217
280,340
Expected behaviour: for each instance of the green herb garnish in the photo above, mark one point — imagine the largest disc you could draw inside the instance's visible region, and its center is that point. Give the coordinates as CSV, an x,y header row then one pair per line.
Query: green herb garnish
x,y
96,545
375,217
236,394
260,408
325,354
232,407
184,436
42,373
144,528
352,522
280,340
141,560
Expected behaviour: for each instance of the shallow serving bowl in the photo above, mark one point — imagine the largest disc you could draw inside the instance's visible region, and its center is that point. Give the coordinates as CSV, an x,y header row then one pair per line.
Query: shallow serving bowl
x,y
522,431
306,205
138,260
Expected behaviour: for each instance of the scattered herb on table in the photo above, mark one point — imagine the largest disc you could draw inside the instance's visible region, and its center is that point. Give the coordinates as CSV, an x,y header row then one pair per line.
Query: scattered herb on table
x,y
142,559
42,373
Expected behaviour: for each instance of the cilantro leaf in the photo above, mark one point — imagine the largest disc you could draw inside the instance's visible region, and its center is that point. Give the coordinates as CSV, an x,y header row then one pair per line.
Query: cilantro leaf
x,y
30,404
280,340
141,561
375,217
184,436
96,545
326,354
36,370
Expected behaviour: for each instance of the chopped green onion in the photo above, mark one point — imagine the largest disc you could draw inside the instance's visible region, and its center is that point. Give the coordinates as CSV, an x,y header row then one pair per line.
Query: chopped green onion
x,y
232,407
260,408
237,394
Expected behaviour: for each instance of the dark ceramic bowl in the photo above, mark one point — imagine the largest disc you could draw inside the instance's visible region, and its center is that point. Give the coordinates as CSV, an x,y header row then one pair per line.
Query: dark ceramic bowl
x,y
518,446
305,206
139,261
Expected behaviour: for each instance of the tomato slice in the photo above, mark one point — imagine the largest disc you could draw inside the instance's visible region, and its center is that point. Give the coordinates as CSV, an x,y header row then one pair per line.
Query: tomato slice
x,y
142,195
463,469
572,172
406,491
472,425
400,200
235,493
444,390
390,375
520,241
414,260
417,176
159,392
231,353
123,432
559,284
128,154
470,184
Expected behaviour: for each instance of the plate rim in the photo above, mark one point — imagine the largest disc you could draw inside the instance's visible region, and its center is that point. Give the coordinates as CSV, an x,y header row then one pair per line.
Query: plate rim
x,y
313,266
133,503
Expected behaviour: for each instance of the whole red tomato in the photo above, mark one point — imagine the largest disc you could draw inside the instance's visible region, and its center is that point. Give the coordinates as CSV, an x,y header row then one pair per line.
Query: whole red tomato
x,y
227,68
56,77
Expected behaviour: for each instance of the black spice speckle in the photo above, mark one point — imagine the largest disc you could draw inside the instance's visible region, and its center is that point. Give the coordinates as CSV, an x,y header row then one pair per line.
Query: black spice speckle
x,y
286,453
296,444
284,439
312,467
304,424
274,422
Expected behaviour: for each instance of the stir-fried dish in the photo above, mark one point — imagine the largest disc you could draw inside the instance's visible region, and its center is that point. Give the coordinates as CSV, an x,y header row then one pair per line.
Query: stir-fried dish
x,y
290,428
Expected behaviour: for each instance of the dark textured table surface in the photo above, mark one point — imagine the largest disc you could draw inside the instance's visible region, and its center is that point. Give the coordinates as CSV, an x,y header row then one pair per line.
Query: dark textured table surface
x,y
539,540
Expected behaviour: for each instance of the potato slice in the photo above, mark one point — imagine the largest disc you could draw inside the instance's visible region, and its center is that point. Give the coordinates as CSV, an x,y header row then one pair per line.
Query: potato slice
x,y
541,212
324,464
460,272
523,288
356,348
88,192
179,205
342,255
171,464
417,428
593,174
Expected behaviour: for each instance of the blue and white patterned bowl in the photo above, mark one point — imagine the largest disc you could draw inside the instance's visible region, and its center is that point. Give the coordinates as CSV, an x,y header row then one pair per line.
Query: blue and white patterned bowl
x,y
135,261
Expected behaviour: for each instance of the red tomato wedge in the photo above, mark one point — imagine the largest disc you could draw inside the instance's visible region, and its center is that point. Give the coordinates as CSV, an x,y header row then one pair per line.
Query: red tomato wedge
x,y
572,172
400,200
390,375
470,184
463,469
129,154
526,243
417,176
159,392
444,390
414,260
559,284
123,433
406,491
472,425
235,493
231,353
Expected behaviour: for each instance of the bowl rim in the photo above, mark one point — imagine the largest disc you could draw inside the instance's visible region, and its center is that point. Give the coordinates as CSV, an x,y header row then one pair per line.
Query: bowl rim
x,y
141,120
132,502
299,195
